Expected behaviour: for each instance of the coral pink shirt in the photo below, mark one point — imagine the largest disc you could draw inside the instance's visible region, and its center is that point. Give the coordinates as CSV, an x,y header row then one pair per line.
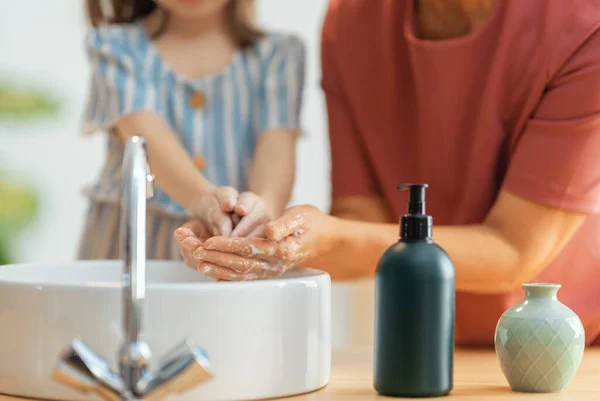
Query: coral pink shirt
x,y
515,104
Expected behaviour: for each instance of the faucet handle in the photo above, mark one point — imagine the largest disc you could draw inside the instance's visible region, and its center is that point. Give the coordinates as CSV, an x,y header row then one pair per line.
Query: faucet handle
x,y
81,369
134,360
182,368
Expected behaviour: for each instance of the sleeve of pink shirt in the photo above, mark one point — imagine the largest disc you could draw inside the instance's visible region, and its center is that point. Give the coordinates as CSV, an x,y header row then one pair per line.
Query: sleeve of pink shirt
x,y
350,171
557,159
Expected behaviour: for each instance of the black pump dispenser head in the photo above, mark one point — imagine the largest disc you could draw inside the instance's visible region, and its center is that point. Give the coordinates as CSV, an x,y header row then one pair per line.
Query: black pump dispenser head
x,y
416,225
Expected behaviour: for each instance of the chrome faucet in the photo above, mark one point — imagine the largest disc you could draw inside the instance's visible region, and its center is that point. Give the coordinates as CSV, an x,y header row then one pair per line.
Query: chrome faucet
x,y
185,366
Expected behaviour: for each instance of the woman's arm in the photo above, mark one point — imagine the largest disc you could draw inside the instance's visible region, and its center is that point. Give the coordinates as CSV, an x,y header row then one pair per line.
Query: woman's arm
x,y
517,240
361,208
514,244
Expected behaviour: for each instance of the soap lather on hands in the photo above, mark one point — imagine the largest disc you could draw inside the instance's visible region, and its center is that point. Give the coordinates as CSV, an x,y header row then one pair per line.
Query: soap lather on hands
x,y
223,211
286,244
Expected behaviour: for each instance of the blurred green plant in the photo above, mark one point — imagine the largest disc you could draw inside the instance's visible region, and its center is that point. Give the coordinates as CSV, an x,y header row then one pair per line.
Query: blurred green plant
x,y
18,208
19,202
19,102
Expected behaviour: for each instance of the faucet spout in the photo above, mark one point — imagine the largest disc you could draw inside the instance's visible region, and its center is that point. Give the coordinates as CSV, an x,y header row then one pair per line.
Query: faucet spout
x,y
186,365
136,185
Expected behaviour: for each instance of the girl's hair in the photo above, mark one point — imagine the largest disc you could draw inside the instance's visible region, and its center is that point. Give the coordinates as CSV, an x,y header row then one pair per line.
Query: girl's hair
x,y
240,16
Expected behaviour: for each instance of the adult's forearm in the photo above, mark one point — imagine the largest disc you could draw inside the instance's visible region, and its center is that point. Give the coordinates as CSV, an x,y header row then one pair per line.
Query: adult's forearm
x,y
353,248
483,260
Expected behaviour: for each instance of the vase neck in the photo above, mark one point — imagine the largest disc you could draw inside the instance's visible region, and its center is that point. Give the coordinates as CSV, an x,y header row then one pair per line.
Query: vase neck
x,y
541,291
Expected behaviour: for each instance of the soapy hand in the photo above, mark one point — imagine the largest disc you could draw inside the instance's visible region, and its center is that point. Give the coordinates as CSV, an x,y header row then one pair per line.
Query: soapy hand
x,y
214,210
225,212
190,237
252,211
291,240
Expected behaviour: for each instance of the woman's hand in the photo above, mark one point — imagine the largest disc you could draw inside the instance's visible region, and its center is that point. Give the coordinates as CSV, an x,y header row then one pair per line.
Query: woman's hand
x,y
292,240
190,237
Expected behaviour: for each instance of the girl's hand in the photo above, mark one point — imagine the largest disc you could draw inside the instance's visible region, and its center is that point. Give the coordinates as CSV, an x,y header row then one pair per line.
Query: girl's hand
x,y
299,236
252,211
214,210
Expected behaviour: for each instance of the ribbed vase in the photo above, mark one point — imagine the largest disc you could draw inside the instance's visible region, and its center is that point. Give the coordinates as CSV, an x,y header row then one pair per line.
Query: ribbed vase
x,y
539,342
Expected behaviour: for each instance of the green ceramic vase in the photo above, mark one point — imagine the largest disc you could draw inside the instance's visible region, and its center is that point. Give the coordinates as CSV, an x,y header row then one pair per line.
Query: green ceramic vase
x,y
539,342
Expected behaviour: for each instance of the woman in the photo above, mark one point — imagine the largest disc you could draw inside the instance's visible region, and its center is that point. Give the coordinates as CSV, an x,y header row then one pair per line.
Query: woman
x,y
497,107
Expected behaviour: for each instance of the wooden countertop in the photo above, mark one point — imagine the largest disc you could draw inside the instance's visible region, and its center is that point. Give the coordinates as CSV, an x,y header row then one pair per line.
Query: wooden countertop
x,y
477,376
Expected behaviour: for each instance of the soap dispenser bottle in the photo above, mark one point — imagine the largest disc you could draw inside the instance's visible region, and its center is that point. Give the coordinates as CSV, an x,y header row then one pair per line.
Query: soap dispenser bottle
x,y
414,310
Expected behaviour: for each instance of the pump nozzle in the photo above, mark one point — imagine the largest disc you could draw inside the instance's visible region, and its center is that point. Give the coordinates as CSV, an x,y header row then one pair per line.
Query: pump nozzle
x,y
416,198
416,224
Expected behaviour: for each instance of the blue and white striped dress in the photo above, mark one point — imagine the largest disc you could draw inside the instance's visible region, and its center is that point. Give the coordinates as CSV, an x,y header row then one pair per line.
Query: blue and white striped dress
x,y
258,90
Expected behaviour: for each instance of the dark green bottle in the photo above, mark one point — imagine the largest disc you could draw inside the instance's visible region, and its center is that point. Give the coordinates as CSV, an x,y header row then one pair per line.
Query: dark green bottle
x,y
414,310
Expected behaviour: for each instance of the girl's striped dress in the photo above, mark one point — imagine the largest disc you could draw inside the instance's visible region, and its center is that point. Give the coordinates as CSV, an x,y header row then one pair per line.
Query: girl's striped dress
x,y
217,118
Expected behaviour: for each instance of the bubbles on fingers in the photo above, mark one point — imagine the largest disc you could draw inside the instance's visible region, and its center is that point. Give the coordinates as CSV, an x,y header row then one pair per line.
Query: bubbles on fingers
x,y
271,269
252,250
286,225
190,244
275,268
191,263
218,272
181,233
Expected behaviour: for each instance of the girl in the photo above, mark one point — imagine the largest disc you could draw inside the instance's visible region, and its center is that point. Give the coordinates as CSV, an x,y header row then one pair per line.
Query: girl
x,y
218,103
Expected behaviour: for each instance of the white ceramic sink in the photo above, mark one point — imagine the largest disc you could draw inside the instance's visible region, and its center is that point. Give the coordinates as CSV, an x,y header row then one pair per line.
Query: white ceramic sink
x,y
264,339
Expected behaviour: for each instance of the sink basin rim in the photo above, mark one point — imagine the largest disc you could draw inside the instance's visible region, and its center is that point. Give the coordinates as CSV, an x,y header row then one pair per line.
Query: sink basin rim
x,y
298,275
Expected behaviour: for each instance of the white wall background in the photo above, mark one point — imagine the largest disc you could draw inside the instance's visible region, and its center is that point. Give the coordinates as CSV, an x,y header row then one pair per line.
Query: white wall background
x,y
41,42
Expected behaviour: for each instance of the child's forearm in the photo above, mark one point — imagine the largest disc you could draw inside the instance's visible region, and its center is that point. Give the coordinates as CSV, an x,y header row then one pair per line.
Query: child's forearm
x,y
273,170
172,167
